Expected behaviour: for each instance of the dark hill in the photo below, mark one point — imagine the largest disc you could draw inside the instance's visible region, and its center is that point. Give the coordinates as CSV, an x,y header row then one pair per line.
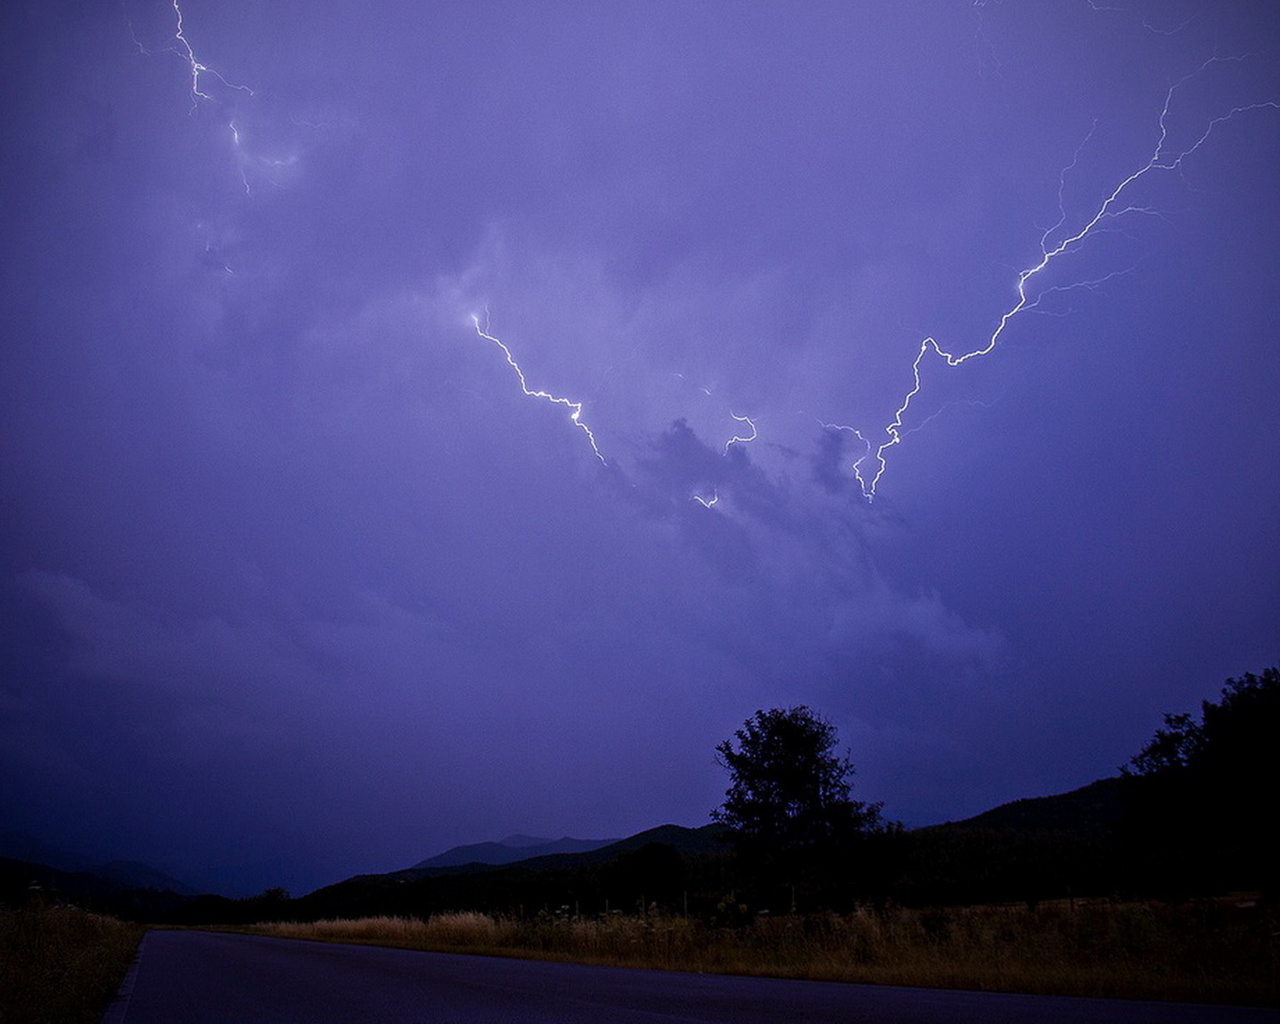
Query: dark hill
x,y
22,882
507,851
133,875
1037,848
667,865
129,874
682,839
1094,809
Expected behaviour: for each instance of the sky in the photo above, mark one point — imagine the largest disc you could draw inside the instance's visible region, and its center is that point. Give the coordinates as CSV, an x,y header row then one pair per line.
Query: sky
x,y
421,423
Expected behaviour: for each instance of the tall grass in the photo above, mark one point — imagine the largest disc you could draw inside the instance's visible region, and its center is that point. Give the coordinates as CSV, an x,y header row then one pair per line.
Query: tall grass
x,y
61,965
1209,952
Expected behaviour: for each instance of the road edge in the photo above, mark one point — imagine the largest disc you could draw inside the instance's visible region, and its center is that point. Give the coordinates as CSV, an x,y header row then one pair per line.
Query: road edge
x,y
118,1009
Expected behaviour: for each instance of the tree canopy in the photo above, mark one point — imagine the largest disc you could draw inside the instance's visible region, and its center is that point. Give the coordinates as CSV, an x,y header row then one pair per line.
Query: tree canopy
x,y
788,805
1234,737
1201,792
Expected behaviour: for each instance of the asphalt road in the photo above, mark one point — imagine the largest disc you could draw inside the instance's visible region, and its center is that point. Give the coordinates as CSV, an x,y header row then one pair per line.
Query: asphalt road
x,y
196,977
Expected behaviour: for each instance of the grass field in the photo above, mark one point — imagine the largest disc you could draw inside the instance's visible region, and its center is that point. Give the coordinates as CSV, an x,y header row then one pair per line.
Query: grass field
x,y
61,965
1211,951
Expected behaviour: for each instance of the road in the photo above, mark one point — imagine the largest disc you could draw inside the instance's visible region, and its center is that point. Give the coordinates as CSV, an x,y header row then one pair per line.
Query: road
x,y
184,977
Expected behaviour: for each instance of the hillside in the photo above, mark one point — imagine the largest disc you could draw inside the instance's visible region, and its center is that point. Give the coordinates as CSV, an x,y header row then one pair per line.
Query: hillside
x,y
507,851
680,838
126,874
1093,809
22,882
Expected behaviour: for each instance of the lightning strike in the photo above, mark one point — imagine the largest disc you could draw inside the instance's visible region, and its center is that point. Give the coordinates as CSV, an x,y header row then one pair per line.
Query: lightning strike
x,y
575,408
736,439
201,92
197,69
1114,206
741,440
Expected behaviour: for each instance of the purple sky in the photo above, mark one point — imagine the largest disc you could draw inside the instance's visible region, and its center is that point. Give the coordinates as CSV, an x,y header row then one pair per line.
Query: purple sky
x,y
295,581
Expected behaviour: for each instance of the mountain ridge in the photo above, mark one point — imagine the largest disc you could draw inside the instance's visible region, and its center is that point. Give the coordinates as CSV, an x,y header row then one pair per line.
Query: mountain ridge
x,y
1093,808
125,874
507,851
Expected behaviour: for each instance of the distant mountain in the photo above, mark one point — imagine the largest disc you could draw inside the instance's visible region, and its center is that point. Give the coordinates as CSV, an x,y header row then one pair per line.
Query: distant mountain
x,y
19,877
22,882
685,840
134,875
507,851
706,839
26,847
124,874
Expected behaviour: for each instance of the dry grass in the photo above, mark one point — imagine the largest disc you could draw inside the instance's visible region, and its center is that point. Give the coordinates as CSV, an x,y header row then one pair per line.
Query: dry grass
x,y
60,965
1207,952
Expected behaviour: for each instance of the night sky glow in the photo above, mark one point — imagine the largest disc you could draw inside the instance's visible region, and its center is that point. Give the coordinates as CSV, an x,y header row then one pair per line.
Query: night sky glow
x,y
428,422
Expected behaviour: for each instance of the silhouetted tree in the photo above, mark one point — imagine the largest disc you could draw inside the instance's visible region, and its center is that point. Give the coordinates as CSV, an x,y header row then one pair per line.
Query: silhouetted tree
x,y
1202,793
1170,749
788,807
1232,737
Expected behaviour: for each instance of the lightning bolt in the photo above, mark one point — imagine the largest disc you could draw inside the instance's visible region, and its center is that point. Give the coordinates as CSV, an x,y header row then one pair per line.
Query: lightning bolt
x,y
181,46
1115,205
736,439
575,408
197,69
741,440
198,72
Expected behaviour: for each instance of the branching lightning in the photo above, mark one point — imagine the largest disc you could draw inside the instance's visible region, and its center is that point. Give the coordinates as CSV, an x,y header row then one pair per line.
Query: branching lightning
x,y
1115,205
575,408
198,69
181,46
201,92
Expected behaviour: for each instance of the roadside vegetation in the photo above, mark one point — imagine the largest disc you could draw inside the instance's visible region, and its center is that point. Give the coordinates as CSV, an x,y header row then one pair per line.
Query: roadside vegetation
x,y
61,964
1218,951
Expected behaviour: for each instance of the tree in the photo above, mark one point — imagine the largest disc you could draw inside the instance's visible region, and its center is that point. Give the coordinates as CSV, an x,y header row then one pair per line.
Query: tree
x,y
1232,745
1170,749
1200,792
787,807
